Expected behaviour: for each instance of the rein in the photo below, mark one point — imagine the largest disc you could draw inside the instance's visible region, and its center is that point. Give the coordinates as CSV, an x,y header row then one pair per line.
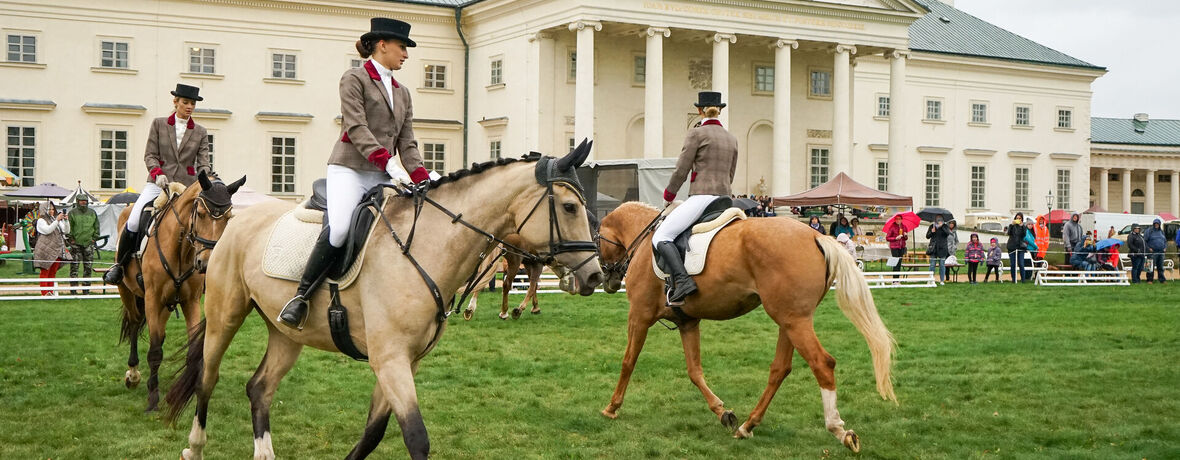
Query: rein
x,y
620,268
199,244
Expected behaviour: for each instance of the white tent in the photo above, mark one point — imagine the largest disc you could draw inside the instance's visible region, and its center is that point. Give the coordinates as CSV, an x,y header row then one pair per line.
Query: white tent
x,y
653,175
246,197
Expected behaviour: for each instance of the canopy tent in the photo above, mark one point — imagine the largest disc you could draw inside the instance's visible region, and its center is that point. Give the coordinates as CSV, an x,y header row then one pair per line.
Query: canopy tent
x,y
79,192
44,190
246,197
842,190
1058,216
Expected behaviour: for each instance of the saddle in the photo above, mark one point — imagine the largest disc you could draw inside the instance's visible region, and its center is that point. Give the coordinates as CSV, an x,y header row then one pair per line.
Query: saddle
x,y
693,243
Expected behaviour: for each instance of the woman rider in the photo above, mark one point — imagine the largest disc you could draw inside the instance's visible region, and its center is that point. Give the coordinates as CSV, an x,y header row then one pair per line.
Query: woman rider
x,y
377,124
177,150
710,152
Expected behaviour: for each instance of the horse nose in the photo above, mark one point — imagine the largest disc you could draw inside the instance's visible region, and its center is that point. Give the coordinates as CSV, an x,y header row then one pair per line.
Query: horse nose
x,y
592,282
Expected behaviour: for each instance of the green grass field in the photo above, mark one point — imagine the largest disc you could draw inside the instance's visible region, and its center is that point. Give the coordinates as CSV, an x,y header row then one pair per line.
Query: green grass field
x,y
981,371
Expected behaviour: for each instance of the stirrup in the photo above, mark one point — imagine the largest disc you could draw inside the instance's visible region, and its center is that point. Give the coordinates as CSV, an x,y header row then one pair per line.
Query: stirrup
x,y
292,304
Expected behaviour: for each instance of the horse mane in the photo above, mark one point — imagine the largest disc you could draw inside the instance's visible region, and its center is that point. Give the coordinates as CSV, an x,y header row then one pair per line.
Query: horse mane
x,y
477,168
173,188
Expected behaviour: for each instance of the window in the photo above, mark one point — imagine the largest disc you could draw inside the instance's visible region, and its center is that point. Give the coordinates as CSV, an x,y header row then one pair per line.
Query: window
x,y
22,153
640,71
112,148
114,55
882,106
22,48
883,176
1164,178
933,109
933,183
1021,188
434,157
1065,118
436,76
497,72
573,144
209,139
821,83
282,65
819,166
1063,188
978,186
763,79
572,64
282,164
494,149
354,63
1114,177
1023,115
201,60
979,112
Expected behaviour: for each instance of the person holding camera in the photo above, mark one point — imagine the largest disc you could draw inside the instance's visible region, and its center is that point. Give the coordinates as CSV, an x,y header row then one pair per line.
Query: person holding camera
x,y
51,244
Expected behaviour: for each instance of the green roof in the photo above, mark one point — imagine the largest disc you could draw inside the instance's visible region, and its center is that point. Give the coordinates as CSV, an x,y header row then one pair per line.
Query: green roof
x,y
947,30
1129,131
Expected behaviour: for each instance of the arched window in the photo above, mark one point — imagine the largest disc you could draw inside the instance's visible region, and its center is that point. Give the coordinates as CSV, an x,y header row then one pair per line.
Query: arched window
x,y
1137,194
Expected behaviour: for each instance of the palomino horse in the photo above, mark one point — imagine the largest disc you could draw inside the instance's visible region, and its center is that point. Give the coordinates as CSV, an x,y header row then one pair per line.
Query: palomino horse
x,y
511,265
395,319
188,223
779,263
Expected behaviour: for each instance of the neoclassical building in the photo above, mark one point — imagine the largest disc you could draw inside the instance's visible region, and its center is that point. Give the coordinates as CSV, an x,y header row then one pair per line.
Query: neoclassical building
x,y
1140,157
911,96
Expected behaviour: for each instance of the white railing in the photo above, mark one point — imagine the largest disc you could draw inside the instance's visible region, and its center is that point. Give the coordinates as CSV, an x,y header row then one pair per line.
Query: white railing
x,y
548,284
1082,278
30,289
903,279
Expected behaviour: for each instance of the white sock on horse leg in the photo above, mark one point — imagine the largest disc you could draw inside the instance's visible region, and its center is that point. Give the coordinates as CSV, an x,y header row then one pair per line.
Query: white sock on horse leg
x,y
831,416
263,449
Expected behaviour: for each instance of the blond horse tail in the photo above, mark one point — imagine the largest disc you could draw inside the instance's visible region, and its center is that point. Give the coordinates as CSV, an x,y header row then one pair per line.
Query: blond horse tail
x,y
852,293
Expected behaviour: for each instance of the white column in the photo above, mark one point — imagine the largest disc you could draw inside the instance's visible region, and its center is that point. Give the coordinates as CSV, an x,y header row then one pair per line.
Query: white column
x,y
721,69
1126,190
1104,190
897,169
1175,193
584,80
780,183
536,113
653,86
841,123
1149,202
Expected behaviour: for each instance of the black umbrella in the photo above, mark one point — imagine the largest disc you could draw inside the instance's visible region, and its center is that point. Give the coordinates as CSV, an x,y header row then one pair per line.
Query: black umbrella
x,y
929,214
123,198
745,204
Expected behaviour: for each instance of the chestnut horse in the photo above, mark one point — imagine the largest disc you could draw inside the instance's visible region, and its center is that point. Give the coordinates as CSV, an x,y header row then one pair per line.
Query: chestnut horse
x,y
512,262
395,316
188,222
777,262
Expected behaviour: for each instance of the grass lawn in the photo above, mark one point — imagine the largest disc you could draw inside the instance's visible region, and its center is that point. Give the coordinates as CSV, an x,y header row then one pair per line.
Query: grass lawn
x,y
981,371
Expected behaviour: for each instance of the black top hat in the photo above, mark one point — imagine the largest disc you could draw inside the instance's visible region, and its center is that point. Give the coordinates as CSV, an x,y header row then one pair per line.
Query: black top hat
x,y
385,28
709,99
188,92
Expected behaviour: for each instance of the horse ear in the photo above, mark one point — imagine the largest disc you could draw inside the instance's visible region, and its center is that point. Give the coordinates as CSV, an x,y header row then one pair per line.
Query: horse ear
x,y
585,153
570,160
232,188
204,180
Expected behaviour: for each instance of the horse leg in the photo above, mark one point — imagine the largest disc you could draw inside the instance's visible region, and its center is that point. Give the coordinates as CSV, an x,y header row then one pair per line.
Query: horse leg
x,y
133,324
221,324
281,354
510,271
636,336
534,272
779,369
690,338
822,364
375,426
157,320
396,378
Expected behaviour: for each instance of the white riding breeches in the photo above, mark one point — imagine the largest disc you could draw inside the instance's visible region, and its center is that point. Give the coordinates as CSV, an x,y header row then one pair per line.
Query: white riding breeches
x,y
681,218
346,187
150,192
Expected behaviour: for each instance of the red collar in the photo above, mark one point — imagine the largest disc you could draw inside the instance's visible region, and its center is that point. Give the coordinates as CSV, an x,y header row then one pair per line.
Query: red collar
x,y
376,76
712,122
172,121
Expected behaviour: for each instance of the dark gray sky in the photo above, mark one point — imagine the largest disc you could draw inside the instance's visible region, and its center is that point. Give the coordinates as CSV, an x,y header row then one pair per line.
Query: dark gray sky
x,y
1129,38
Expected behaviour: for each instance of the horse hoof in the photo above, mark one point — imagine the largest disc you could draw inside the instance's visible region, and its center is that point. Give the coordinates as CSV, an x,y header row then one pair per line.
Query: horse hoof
x,y
851,441
516,313
742,433
610,414
467,314
729,420
188,454
130,384
503,316
536,311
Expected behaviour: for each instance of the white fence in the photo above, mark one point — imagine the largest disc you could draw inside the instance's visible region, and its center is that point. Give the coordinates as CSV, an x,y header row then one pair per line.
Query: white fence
x,y
548,284
30,289
1082,278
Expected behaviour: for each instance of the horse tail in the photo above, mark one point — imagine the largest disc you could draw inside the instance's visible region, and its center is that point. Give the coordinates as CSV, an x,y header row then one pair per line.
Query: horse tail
x,y
188,379
857,304
134,321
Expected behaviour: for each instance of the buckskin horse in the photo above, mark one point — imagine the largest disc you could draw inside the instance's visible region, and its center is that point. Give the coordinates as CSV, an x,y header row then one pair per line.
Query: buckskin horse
x,y
187,224
779,263
395,319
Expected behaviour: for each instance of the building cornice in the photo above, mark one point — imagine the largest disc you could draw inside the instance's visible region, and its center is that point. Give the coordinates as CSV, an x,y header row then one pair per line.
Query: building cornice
x,y
113,109
919,56
27,104
212,114
284,117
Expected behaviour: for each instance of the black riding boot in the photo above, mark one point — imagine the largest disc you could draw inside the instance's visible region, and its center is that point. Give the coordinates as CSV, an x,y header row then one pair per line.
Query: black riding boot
x,y
122,254
669,260
323,257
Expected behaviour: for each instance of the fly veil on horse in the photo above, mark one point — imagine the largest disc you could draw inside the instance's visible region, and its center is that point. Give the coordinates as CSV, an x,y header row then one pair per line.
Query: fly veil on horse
x,y
776,262
395,303
168,273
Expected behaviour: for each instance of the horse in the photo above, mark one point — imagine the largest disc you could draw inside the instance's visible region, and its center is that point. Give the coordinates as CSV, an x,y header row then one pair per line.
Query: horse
x,y
777,262
188,223
395,319
511,265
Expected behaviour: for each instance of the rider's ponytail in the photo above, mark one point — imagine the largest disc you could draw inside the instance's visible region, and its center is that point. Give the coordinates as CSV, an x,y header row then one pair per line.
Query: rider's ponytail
x,y
712,112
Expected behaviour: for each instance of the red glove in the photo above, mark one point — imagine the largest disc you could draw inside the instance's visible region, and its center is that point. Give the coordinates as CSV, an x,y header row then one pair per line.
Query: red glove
x,y
154,172
380,157
669,196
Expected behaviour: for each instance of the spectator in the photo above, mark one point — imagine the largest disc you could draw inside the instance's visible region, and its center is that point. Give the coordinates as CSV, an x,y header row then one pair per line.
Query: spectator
x,y
1042,238
937,249
1030,243
815,225
848,243
1082,253
993,260
1156,243
896,236
1072,234
1016,246
1113,259
974,255
842,226
51,244
83,233
1111,233
835,223
952,237
856,231
1137,249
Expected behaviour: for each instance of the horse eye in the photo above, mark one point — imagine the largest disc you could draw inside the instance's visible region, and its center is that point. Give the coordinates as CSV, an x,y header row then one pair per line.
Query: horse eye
x,y
570,208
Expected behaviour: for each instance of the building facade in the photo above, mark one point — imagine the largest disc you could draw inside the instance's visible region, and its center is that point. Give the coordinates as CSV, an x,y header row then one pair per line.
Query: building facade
x,y
1135,165
913,97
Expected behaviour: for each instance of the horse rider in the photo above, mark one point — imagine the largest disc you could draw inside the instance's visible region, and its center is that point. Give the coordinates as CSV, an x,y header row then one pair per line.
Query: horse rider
x,y
377,124
177,150
710,152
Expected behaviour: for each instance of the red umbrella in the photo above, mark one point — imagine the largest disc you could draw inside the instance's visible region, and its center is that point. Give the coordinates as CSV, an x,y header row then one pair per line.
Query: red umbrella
x,y
1058,216
909,221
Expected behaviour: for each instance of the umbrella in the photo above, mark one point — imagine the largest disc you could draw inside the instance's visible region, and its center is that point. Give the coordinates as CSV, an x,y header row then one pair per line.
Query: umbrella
x,y
745,204
45,190
929,214
909,221
1057,216
78,193
1108,243
123,198
7,177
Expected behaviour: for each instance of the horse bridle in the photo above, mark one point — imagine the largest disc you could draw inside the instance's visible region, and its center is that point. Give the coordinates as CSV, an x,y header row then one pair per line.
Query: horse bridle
x,y
217,211
619,268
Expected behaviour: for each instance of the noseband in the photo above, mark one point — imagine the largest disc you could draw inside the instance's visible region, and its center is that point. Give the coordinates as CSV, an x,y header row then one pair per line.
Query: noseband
x,y
619,268
218,210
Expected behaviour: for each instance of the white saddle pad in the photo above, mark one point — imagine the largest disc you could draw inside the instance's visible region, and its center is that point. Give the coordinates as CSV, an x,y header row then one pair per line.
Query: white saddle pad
x,y
698,243
289,245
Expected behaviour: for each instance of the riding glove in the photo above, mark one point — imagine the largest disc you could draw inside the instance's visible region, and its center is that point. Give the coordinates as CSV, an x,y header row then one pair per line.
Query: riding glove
x,y
162,181
398,175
